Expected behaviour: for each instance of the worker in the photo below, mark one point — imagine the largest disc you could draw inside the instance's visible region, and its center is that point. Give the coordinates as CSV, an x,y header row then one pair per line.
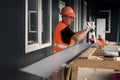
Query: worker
x,y
100,41
64,37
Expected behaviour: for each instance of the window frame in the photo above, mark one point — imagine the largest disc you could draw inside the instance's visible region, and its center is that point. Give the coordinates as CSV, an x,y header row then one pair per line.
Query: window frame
x,y
30,12
39,45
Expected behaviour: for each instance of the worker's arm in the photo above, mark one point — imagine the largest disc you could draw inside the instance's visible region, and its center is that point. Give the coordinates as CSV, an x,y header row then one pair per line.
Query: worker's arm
x,y
80,35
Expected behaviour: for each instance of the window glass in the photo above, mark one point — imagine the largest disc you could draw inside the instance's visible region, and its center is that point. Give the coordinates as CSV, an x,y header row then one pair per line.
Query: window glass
x,y
32,22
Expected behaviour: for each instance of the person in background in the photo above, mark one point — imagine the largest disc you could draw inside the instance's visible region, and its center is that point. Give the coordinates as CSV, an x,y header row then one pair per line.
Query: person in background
x,y
91,39
100,41
64,37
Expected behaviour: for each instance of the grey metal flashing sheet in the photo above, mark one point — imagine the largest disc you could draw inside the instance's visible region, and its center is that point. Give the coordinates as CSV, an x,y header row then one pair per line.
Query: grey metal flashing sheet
x,y
46,67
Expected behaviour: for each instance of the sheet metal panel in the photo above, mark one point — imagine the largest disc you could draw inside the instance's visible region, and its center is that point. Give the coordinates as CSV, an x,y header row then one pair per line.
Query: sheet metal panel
x,y
46,67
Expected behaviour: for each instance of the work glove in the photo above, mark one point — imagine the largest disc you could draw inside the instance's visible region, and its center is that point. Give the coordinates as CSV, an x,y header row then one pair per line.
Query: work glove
x,y
90,26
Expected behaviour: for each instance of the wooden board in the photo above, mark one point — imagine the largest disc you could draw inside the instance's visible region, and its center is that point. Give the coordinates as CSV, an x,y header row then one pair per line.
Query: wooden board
x,y
74,73
96,63
98,52
68,73
88,52
59,74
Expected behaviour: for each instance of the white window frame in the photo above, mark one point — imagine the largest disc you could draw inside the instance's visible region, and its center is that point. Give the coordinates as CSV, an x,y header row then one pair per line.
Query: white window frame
x,y
39,45
29,21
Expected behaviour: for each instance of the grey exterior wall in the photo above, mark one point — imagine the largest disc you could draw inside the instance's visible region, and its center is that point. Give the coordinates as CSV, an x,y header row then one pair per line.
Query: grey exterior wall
x,y
12,42
12,48
12,35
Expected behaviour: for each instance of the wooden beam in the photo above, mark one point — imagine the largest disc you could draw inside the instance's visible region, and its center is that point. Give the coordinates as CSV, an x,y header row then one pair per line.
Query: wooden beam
x,y
96,63
88,52
68,73
59,74
74,73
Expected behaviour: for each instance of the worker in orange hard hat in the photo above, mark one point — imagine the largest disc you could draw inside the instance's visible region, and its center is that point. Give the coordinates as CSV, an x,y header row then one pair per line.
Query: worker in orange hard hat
x,y
68,11
100,41
64,37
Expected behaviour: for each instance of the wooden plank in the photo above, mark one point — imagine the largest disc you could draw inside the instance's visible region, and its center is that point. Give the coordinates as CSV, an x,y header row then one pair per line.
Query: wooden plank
x,y
74,73
58,75
96,63
98,52
88,52
68,73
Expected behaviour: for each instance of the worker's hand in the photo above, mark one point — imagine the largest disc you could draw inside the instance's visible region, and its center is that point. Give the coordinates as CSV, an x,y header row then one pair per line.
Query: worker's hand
x,y
90,26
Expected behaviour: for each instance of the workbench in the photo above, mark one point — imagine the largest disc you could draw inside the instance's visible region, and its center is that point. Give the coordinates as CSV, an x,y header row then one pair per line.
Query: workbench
x,y
66,63
85,61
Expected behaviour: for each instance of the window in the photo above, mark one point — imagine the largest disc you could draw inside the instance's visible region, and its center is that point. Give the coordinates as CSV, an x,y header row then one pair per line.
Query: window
x,y
38,24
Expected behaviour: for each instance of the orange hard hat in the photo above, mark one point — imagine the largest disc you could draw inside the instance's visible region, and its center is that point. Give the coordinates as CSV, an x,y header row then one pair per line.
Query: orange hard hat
x,y
68,11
